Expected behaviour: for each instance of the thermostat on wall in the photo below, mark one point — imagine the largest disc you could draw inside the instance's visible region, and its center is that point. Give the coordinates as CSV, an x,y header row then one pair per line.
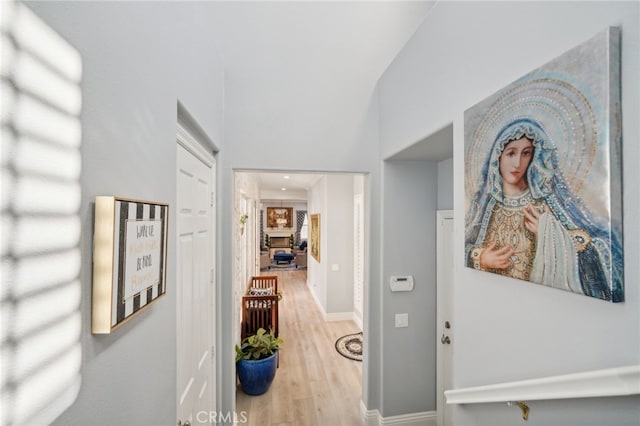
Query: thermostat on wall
x,y
404,283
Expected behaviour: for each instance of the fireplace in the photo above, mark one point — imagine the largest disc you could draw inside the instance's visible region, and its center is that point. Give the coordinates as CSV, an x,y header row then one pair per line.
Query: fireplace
x,y
279,242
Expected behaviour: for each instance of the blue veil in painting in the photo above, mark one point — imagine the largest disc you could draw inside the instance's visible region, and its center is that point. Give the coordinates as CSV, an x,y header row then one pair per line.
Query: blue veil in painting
x,y
599,250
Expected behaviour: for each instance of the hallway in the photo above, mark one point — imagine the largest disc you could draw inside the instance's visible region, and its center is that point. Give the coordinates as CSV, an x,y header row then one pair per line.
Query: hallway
x,y
314,385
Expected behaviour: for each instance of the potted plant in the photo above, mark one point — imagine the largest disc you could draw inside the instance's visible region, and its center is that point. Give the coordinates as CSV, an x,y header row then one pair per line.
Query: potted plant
x,y
243,221
257,360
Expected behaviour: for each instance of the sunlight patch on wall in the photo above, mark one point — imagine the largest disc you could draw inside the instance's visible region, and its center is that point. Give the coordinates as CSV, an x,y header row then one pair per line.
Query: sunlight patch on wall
x,y
40,225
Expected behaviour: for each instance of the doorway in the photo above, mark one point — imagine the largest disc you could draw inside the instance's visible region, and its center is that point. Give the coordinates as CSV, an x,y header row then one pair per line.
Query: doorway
x,y
309,356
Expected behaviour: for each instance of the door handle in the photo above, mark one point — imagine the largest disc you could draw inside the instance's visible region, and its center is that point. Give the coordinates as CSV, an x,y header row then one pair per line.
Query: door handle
x,y
444,340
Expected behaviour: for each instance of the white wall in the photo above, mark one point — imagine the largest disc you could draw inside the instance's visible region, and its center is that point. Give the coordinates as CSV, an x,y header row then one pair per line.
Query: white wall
x,y
507,330
317,271
339,244
331,280
139,60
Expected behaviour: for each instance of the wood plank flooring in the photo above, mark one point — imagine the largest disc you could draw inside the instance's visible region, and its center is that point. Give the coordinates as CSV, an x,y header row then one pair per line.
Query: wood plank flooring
x,y
314,385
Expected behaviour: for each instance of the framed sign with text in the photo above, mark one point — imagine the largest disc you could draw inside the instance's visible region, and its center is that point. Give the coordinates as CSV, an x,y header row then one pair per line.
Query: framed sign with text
x,y
129,259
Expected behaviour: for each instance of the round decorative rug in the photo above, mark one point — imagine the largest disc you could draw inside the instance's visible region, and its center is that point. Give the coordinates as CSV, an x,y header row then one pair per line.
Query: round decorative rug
x,y
350,346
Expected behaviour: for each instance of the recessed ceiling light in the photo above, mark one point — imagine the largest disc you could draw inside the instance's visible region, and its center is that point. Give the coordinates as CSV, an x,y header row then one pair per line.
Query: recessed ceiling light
x,y
284,189
286,176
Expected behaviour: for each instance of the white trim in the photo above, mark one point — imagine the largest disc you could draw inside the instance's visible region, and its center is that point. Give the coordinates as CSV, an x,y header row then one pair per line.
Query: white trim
x,y
425,418
599,383
369,417
333,316
358,321
315,298
188,122
358,258
373,418
444,311
339,316
189,143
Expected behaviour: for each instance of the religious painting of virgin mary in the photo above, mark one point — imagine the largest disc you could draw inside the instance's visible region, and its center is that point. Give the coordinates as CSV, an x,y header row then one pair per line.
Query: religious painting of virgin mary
x,y
543,190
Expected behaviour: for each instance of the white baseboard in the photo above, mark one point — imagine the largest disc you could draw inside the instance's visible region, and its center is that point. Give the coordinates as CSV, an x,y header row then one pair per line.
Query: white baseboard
x,y
333,316
318,304
426,418
358,321
339,316
373,418
370,417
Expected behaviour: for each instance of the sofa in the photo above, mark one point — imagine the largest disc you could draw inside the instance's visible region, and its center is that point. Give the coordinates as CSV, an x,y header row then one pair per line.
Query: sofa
x,y
300,258
265,260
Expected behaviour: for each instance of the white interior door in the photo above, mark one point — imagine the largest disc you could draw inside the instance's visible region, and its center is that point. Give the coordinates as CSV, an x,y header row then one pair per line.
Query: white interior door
x,y
445,326
195,286
358,258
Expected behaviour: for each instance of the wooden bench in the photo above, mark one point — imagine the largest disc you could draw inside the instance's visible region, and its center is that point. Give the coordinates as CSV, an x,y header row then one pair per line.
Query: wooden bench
x,y
260,306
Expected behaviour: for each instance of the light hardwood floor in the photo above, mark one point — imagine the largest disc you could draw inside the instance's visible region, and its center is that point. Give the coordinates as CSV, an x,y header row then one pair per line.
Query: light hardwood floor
x,y
314,385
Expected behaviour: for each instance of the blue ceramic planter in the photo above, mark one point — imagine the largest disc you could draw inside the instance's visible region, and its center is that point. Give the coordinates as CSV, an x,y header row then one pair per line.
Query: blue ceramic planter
x,y
256,376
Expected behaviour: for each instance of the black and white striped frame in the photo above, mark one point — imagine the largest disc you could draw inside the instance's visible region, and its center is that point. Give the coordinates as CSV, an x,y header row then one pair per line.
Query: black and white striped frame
x,y
110,307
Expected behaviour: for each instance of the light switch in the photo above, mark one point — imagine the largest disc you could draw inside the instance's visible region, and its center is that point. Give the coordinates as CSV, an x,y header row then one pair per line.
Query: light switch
x,y
402,320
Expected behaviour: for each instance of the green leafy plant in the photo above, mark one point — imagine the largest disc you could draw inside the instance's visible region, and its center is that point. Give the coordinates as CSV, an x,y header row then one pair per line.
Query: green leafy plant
x,y
258,346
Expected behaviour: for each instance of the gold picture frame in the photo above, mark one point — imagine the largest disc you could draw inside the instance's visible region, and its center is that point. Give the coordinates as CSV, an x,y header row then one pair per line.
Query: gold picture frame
x,y
277,216
129,259
314,236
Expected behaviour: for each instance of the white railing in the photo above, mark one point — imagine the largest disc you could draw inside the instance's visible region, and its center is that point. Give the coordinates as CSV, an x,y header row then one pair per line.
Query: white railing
x,y
618,381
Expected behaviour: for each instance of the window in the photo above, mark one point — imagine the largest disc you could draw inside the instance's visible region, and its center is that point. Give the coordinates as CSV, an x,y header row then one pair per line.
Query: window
x,y
304,231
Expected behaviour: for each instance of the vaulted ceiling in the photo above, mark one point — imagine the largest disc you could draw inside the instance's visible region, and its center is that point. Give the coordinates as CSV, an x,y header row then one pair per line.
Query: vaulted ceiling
x,y
332,52
314,40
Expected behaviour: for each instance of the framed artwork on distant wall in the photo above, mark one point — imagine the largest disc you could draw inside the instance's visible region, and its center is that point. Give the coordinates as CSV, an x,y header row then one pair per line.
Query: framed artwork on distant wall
x,y
279,217
543,183
129,259
314,236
